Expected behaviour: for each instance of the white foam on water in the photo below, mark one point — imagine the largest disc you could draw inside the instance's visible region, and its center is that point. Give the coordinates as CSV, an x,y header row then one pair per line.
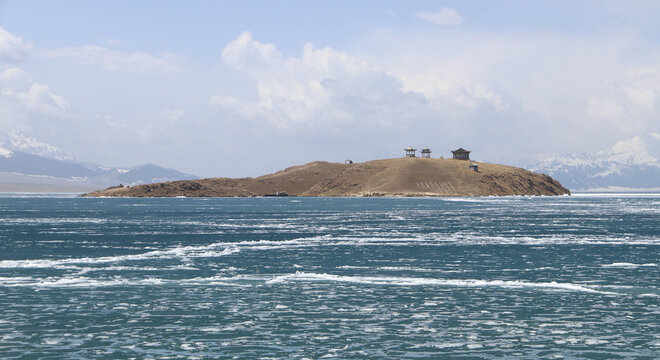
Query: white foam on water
x,y
629,265
226,248
36,263
649,295
435,239
15,280
177,252
58,221
408,281
84,270
616,195
438,240
445,345
87,282
210,329
251,280
352,267
238,280
404,268
52,341
73,282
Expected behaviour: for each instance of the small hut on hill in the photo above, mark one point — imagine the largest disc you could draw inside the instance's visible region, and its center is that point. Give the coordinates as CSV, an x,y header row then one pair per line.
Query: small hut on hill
x,y
461,154
426,153
410,152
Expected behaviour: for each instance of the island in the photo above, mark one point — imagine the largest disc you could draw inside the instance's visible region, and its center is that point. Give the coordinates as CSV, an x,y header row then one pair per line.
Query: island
x,y
408,176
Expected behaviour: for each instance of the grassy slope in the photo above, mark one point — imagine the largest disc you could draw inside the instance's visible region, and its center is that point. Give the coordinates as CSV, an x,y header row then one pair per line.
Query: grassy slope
x,y
404,176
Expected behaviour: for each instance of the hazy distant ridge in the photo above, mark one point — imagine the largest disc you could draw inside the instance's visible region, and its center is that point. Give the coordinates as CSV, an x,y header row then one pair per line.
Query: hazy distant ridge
x,y
53,165
628,164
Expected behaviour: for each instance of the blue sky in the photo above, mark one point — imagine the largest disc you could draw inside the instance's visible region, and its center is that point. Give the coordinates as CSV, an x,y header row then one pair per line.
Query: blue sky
x,y
243,88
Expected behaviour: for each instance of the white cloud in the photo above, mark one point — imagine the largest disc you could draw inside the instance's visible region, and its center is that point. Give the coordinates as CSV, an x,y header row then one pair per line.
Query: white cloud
x,y
568,88
38,98
326,88
502,95
245,53
136,62
172,115
12,48
481,92
604,109
323,86
26,104
634,151
241,107
643,87
12,78
113,42
627,101
445,16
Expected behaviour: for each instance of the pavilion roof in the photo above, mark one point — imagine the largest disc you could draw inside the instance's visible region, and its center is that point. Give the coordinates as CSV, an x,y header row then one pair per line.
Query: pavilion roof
x,y
460,150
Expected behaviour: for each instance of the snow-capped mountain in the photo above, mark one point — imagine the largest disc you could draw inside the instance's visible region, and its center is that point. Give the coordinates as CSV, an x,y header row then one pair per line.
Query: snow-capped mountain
x,y
631,164
18,142
25,160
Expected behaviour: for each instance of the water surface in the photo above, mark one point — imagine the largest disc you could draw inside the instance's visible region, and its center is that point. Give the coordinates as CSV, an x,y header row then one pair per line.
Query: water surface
x,y
538,277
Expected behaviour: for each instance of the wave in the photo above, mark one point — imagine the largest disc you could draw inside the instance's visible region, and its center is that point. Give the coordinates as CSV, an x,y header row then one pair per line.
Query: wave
x,y
227,248
438,239
629,265
218,249
409,281
84,270
80,282
257,280
177,252
88,282
616,194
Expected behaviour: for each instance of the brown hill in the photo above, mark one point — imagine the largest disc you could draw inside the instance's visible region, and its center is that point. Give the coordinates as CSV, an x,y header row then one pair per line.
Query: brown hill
x,y
388,177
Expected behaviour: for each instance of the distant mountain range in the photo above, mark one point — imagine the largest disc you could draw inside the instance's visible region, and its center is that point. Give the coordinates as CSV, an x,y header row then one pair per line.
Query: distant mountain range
x,y
628,165
26,163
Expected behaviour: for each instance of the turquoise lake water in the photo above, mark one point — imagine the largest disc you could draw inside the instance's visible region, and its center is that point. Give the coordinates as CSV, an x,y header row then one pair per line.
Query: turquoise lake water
x,y
366,278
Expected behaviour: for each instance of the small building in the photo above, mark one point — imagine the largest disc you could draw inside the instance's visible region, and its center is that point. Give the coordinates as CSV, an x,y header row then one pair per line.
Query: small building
x,y
410,152
426,153
461,154
474,167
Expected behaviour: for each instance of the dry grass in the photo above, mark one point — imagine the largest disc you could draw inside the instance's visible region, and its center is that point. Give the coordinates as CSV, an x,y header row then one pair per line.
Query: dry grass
x,y
388,177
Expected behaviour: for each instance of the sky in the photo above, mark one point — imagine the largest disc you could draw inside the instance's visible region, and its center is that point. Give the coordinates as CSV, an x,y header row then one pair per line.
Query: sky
x,y
244,88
